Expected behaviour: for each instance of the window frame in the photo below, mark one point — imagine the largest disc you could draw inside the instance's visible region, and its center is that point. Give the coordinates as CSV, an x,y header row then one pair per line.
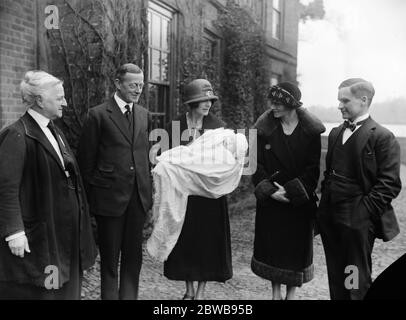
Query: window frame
x,y
277,34
166,12
211,37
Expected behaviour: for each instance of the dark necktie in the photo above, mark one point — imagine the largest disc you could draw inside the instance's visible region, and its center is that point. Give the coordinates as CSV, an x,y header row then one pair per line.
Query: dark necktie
x,y
351,125
51,128
127,113
67,159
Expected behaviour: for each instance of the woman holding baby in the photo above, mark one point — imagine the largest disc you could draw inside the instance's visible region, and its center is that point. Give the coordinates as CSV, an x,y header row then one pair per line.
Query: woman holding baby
x,y
203,250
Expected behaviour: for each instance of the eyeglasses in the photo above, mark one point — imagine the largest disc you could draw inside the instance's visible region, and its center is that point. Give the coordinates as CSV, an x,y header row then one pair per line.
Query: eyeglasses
x,y
136,85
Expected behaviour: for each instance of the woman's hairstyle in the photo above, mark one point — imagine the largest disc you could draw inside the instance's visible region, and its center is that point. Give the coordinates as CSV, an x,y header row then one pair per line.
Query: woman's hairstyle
x,y
34,84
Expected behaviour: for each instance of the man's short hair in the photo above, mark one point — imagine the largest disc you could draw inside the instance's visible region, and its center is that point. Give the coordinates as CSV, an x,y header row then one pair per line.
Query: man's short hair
x,y
34,84
359,88
127,68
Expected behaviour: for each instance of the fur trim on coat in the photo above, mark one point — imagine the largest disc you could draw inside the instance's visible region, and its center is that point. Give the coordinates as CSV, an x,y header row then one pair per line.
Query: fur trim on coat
x,y
266,124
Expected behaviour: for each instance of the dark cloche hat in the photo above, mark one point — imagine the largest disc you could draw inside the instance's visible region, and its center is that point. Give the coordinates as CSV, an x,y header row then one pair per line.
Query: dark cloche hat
x,y
286,93
199,90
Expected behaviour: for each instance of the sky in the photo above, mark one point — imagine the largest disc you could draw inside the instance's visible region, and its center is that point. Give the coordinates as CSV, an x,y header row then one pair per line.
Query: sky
x,y
356,38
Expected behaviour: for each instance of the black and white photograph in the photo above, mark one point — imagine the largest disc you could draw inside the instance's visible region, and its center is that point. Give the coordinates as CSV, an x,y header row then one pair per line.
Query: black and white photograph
x,y
228,151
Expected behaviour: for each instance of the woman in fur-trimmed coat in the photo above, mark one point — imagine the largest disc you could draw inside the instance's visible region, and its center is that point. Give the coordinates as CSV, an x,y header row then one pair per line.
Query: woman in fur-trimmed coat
x,y
288,159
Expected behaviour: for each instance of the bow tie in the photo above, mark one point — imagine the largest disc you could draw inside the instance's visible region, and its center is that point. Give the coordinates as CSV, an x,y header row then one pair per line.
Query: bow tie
x,y
351,125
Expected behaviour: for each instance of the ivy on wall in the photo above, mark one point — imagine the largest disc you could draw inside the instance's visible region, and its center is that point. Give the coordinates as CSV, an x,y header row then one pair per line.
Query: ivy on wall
x,y
94,38
239,75
194,61
245,78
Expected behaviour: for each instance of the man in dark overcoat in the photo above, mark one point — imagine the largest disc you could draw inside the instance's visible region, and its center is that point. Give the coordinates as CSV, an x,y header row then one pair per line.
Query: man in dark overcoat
x,y
361,180
113,157
46,239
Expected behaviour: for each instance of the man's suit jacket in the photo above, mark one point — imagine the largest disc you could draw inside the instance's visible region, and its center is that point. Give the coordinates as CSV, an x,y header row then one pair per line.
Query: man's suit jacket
x,y
112,161
378,155
34,198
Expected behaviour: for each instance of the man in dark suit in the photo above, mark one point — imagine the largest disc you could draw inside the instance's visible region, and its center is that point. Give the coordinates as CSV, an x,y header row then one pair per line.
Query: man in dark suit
x,y
361,180
113,156
46,238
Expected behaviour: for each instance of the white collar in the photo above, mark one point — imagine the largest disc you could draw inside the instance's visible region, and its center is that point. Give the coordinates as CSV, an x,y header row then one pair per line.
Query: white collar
x,y
362,118
121,103
39,118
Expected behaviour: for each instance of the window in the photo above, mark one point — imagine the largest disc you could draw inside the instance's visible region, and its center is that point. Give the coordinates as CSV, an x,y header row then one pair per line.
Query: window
x,y
159,53
276,19
260,12
211,45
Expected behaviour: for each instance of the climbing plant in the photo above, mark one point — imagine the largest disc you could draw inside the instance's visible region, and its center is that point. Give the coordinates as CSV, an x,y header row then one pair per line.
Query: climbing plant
x,y
94,38
245,79
194,60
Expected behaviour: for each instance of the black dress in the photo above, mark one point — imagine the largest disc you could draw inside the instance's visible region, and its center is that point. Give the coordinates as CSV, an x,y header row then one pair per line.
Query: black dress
x,y
203,250
283,245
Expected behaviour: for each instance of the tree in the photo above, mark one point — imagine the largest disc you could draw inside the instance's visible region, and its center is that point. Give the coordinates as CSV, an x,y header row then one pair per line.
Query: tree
x,y
313,11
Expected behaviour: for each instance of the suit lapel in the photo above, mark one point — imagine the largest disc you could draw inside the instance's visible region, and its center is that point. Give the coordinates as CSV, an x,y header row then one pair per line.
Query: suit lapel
x,y
333,140
363,135
33,130
137,121
118,119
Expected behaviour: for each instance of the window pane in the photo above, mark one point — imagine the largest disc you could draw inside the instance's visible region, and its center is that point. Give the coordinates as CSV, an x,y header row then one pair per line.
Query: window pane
x,y
155,65
163,101
165,35
164,66
155,31
159,102
153,98
276,24
158,121
158,96
159,54
207,48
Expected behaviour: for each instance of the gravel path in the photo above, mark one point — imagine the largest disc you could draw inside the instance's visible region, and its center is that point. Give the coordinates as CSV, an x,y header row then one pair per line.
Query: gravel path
x,y
245,285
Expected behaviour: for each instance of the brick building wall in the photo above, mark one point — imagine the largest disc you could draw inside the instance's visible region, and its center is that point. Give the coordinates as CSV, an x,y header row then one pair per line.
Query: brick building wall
x,y
17,54
283,52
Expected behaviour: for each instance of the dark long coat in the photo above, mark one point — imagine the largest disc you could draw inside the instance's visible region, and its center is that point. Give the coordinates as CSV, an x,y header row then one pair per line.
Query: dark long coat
x,y
34,198
203,250
284,231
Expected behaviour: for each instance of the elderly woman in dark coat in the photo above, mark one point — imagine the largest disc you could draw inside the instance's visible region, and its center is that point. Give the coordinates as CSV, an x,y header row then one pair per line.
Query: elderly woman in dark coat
x,y
203,250
288,158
